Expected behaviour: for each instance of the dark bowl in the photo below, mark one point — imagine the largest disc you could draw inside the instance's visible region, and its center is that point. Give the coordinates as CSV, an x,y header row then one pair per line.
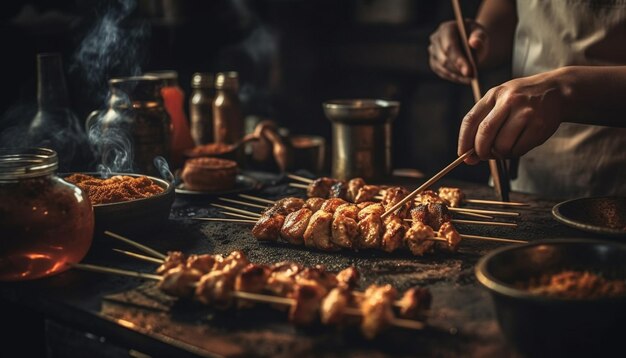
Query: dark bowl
x,y
538,325
134,216
599,215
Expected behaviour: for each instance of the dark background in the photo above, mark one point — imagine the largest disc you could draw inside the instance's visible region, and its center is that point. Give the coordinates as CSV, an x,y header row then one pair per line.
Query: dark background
x,y
291,55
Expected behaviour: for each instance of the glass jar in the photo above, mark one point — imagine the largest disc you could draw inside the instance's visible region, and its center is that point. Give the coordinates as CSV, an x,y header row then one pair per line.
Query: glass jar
x,y
201,107
45,221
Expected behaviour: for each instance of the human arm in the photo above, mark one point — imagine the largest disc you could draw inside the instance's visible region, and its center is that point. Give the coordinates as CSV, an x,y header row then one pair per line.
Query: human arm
x,y
490,36
521,114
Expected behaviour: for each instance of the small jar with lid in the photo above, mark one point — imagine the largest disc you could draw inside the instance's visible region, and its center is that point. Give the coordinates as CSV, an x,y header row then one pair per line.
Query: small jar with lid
x,y
201,107
227,117
45,221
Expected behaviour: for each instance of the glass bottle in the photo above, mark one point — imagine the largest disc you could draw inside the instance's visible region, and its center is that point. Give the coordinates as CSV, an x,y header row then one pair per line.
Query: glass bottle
x,y
201,107
227,117
55,125
45,221
174,102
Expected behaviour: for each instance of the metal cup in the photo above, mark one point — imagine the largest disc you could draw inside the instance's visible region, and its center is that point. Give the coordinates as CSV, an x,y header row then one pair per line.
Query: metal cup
x,y
309,152
361,139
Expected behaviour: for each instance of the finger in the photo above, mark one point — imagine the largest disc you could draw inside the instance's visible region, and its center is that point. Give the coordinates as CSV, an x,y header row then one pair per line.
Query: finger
x,y
469,126
446,74
477,39
455,59
510,133
488,129
524,143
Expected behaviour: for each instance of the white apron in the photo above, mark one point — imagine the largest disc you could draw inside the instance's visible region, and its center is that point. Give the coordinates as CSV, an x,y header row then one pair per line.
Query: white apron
x,y
578,160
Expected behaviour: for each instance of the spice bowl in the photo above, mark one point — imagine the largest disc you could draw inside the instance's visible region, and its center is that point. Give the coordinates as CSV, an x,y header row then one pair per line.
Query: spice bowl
x,y
544,325
134,216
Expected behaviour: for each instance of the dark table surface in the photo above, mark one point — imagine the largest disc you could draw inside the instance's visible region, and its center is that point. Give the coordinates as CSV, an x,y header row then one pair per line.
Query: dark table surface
x,y
134,314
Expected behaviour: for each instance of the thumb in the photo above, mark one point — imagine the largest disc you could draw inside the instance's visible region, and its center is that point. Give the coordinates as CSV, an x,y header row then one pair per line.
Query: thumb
x,y
477,39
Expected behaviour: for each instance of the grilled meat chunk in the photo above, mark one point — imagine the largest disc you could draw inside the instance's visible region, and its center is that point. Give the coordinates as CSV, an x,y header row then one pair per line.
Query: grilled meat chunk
x,y
308,298
454,196
429,196
348,277
295,225
320,187
318,234
395,229
353,188
394,195
370,230
376,309
203,263
339,190
344,226
179,281
334,304
415,302
268,226
314,204
366,193
417,238
173,259
431,214
448,232
330,205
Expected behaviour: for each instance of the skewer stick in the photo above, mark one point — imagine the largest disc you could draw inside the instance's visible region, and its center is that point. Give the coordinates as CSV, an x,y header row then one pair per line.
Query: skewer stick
x,y
244,203
260,200
474,222
249,221
239,215
141,247
494,202
498,239
236,210
140,256
482,216
298,185
299,178
399,322
481,211
428,183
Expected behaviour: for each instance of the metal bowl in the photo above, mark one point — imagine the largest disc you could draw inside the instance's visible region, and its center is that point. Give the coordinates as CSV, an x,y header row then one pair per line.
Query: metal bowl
x,y
599,215
356,111
133,216
548,326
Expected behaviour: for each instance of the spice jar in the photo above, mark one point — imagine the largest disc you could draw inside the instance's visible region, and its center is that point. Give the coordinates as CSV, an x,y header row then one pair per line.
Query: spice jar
x,y
45,221
201,107
227,117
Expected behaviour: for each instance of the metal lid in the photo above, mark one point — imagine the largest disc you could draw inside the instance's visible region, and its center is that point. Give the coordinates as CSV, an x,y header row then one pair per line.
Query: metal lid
x,y
21,163
361,110
137,88
202,80
227,80
169,77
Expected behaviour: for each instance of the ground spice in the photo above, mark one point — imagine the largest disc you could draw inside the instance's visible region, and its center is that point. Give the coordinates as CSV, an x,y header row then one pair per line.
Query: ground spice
x,y
575,284
116,188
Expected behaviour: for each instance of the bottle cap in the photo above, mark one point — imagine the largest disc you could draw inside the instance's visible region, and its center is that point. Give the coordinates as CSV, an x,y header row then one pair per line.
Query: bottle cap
x,y
202,80
227,80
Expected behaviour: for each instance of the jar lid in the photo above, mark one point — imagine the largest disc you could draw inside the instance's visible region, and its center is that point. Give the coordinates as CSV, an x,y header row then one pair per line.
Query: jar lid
x,y
21,163
169,77
202,80
227,80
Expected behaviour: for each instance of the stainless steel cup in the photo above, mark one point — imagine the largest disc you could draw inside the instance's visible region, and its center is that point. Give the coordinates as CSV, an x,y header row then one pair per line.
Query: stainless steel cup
x,y
361,139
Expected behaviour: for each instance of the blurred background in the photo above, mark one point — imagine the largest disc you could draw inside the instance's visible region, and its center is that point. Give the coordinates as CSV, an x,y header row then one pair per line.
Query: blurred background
x,y
291,55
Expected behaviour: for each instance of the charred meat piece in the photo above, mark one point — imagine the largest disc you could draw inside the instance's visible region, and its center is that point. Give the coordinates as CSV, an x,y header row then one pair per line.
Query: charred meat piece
x,y
395,229
320,187
376,209
366,193
318,233
217,286
429,196
314,204
431,214
268,227
353,188
330,205
308,299
376,309
203,263
348,277
334,304
173,259
252,278
288,205
295,225
339,190
454,196
370,231
345,228
393,196
282,277
179,281
448,232
317,275
417,238
415,302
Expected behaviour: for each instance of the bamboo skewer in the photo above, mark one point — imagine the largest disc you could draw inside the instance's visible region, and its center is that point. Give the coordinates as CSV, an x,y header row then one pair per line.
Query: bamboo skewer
x,y
250,221
141,247
261,200
498,239
298,185
244,203
240,211
474,222
482,216
140,256
481,211
299,178
399,322
239,215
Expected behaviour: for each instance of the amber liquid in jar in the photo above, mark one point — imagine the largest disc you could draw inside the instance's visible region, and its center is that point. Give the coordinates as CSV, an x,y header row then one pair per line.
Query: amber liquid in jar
x,y
46,223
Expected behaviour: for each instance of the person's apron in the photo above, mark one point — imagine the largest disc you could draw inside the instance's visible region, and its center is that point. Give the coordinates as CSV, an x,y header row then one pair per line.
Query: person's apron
x,y
578,160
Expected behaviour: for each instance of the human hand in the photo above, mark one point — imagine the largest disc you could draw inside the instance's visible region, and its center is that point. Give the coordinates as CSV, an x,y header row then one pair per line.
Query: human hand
x,y
447,56
513,118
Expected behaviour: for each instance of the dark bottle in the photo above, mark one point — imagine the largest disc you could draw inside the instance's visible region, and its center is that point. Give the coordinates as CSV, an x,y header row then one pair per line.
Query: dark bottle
x,y
55,125
201,107
227,117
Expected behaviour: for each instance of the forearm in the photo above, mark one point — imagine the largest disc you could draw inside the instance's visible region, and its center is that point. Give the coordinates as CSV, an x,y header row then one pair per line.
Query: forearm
x,y
499,17
593,94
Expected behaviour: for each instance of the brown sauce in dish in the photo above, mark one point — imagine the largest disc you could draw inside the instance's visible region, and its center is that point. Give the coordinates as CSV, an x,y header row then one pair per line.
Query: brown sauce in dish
x,y
575,284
